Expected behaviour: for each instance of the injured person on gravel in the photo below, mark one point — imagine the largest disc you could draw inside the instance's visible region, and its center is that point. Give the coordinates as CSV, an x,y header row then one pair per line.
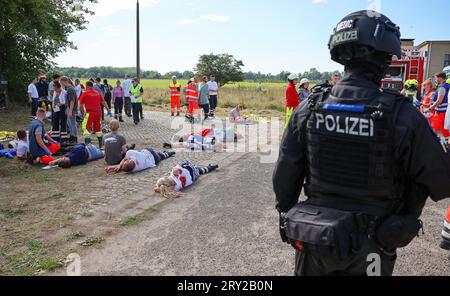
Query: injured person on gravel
x,y
184,175
137,161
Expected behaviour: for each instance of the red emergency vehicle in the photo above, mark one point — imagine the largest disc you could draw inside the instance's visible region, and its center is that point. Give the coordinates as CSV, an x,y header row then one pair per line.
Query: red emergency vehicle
x,y
410,66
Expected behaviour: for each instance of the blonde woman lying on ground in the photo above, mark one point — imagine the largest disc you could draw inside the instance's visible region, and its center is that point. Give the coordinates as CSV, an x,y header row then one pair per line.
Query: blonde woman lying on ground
x,y
184,175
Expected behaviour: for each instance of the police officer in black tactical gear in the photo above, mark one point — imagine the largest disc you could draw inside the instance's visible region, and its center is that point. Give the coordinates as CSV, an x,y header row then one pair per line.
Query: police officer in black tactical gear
x,y
357,151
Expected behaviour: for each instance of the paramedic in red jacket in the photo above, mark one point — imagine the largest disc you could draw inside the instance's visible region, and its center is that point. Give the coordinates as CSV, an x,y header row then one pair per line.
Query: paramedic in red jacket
x,y
292,101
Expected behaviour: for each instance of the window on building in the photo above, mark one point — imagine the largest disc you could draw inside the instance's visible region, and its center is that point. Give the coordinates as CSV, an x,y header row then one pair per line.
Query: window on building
x,y
446,60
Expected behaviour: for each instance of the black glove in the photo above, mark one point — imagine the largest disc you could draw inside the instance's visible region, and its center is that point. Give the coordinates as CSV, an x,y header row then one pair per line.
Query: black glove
x,y
283,233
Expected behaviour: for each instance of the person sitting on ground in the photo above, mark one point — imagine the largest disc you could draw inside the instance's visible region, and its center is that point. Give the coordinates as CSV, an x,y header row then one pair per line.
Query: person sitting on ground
x,y
20,146
236,118
80,154
41,146
184,175
115,144
137,161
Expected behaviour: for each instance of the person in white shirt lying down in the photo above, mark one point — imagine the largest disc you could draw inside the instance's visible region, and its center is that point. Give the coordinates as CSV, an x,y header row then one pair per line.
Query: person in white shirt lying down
x,y
137,161
184,175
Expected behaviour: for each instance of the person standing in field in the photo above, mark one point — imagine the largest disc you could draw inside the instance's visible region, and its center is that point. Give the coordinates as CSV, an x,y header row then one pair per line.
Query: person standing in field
x,y
292,101
90,105
335,79
72,107
175,96
136,92
428,95
213,95
59,118
99,89
107,90
204,97
33,97
78,88
303,91
118,96
439,106
192,100
126,85
51,90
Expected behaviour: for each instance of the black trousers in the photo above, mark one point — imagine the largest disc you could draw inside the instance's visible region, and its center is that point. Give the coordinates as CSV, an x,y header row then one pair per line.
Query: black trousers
x,y
205,110
310,264
59,125
127,101
137,110
34,106
118,107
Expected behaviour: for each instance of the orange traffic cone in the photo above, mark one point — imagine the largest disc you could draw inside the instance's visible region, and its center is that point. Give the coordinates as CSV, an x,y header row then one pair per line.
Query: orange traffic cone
x,y
445,244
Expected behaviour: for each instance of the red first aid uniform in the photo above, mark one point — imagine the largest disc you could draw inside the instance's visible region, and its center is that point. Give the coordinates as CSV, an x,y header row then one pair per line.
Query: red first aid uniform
x,y
92,122
175,95
192,99
292,100
426,104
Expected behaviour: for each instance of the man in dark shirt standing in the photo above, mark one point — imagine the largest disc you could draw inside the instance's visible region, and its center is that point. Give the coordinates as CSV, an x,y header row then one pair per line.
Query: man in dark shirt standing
x,y
72,110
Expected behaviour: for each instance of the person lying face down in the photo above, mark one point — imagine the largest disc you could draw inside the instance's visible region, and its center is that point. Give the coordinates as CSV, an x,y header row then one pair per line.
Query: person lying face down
x,y
184,175
137,161
79,155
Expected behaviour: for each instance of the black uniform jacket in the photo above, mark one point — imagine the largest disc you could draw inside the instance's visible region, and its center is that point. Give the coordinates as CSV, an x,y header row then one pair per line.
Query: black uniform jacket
x,y
422,157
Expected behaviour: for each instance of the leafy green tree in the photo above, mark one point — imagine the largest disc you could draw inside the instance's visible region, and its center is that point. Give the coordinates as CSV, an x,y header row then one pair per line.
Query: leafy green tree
x,y
224,67
32,34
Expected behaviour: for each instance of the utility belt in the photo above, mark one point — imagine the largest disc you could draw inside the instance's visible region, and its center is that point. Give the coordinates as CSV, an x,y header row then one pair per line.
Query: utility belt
x,y
333,233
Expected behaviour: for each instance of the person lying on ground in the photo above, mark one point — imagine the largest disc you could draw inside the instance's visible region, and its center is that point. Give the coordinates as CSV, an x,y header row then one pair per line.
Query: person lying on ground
x,y
236,118
115,144
137,161
205,139
184,175
80,154
20,145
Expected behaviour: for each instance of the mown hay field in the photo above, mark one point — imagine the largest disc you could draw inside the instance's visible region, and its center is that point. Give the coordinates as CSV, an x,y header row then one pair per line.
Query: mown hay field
x,y
266,99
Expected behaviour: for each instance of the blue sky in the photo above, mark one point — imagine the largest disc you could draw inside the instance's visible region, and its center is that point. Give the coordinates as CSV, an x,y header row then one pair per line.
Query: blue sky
x,y
269,36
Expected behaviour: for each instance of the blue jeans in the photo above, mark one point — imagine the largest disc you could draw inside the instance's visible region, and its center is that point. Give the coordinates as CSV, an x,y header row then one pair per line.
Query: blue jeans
x,y
72,122
95,152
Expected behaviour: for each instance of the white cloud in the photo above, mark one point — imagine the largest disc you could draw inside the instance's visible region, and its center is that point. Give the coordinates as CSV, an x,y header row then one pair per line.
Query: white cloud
x,y
320,1
109,7
187,22
216,18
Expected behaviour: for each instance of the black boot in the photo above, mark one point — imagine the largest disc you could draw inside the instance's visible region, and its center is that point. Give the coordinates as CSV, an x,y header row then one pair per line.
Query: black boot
x,y
212,168
73,140
100,142
170,153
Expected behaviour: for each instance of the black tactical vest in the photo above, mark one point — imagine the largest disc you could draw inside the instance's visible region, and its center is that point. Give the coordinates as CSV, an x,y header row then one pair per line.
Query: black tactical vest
x,y
350,151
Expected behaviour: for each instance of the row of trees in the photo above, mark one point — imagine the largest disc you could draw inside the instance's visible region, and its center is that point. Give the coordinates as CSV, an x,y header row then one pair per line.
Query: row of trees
x,y
32,34
206,65
114,72
313,75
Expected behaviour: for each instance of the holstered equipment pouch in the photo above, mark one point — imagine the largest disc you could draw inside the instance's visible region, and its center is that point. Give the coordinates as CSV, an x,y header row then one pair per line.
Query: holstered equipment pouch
x,y
398,231
324,231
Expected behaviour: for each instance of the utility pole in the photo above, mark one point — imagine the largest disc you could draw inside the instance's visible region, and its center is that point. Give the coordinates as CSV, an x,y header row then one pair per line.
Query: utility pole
x,y
138,43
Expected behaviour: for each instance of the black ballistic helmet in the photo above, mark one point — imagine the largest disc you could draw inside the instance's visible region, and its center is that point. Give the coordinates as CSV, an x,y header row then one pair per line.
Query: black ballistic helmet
x,y
363,33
